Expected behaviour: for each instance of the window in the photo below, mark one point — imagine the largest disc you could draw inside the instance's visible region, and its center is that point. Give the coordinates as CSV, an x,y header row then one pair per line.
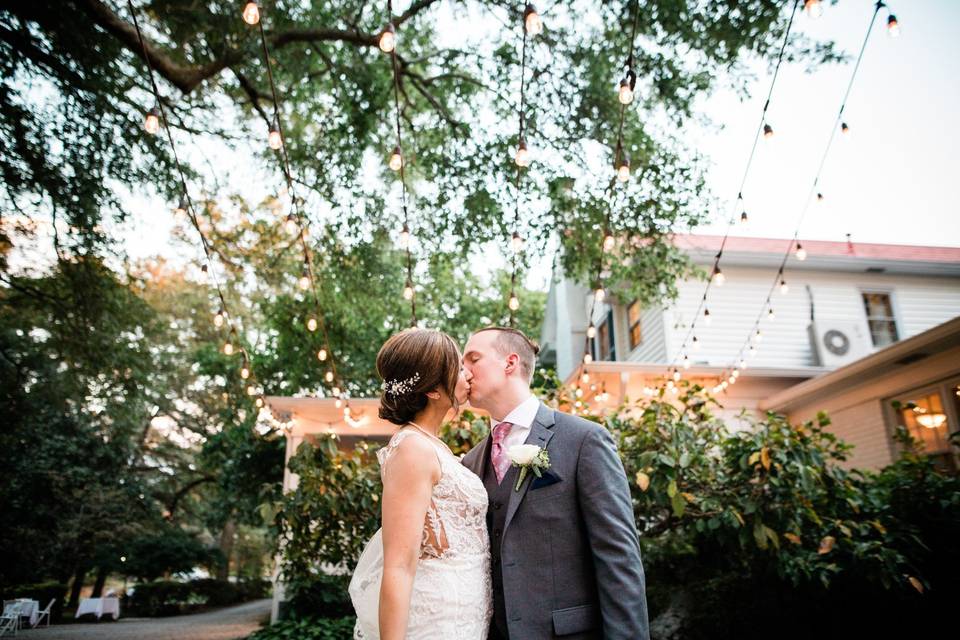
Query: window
x,y
883,326
929,423
604,347
633,324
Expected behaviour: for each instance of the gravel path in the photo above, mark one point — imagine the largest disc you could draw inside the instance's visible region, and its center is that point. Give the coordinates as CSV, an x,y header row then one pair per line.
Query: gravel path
x,y
230,623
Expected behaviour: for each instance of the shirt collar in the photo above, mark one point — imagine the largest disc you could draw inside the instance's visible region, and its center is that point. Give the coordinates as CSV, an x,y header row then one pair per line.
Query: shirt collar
x,y
523,414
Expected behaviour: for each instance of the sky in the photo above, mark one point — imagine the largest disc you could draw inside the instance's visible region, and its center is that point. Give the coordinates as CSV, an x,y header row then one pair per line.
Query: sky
x,y
892,179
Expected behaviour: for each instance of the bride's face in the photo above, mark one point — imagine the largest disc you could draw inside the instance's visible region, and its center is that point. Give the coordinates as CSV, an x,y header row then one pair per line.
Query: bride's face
x,y
462,390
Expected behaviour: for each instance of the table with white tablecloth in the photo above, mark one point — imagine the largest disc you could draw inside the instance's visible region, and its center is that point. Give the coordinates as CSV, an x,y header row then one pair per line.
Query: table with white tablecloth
x,y
99,607
28,609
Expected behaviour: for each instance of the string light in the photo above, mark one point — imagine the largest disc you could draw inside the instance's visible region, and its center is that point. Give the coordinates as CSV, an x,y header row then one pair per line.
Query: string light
x,y
304,281
801,253
251,13
813,8
328,376
322,355
228,348
335,391
245,369
405,237
844,128
771,315
767,131
707,319
784,288
514,302
587,358
695,343
893,27
599,294
592,331
311,324
625,94
686,361
290,225
718,277
396,159
585,378
388,38
181,211
608,242
523,155
758,336
274,139
219,317
259,403
516,242
152,121
676,375
408,291
623,169
532,21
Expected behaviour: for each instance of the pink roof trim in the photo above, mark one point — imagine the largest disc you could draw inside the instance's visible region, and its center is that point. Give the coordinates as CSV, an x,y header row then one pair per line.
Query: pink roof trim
x,y
821,248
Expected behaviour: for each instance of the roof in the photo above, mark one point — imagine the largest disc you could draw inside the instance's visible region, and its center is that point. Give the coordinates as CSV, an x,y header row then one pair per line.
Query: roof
x,y
824,254
932,341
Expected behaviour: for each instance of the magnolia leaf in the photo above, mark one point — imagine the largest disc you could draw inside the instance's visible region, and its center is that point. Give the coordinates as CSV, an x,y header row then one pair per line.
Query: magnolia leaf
x,y
672,489
759,535
679,505
754,457
772,536
845,530
826,545
736,514
643,480
684,460
792,537
765,458
879,527
689,497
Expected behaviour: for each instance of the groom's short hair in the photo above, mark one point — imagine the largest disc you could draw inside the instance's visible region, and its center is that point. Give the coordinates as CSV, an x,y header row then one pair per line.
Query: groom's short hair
x,y
510,340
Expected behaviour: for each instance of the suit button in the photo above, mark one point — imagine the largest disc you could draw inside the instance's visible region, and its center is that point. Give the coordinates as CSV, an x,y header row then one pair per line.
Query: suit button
x,y
497,505
496,532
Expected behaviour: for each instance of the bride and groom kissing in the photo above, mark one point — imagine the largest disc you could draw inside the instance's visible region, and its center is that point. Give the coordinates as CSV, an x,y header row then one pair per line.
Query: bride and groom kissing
x,y
511,542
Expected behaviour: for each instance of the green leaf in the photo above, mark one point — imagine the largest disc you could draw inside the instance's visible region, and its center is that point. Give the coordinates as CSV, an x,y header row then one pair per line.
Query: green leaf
x,y
672,488
679,505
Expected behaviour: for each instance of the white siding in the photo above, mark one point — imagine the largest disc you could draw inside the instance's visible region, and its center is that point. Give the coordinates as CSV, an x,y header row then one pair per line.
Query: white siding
x,y
652,347
919,304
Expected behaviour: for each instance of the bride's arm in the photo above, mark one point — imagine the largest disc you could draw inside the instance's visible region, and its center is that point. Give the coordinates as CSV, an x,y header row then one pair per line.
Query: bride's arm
x,y
408,479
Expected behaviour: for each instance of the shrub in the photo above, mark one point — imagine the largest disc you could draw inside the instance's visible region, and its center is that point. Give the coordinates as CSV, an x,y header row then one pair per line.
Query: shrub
x,y
168,597
308,629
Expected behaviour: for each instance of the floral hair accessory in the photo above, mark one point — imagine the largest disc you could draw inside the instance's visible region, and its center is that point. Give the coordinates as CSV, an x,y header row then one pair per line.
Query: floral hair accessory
x,y
400,387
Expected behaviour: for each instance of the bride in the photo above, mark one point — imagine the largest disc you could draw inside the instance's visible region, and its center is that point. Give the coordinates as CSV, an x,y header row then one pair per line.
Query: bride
x,y
426,573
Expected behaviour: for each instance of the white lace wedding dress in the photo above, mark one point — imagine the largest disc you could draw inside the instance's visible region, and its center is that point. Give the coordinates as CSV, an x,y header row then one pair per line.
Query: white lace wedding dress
x,y
452,591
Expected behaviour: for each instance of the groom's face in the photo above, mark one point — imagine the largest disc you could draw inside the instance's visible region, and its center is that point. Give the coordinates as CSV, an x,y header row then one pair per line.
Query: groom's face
x,y
485,367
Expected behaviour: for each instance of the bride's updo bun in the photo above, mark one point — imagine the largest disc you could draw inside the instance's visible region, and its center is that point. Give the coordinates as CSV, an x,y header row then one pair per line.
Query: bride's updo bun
x,y
411,364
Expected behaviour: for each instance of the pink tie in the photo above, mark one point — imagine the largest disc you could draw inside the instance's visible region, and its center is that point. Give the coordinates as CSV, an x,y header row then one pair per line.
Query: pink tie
x,y
501,463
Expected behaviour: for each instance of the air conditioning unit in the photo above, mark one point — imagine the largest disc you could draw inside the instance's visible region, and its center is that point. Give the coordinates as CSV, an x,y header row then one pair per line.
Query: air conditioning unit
x,y
837,342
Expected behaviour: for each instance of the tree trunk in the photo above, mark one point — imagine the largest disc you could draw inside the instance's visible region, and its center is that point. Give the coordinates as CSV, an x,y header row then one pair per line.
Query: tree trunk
x,y
98,585
226,547
78,579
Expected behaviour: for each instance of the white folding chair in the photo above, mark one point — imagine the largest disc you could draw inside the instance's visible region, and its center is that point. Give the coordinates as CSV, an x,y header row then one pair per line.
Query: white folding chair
x,y
10,620
45,612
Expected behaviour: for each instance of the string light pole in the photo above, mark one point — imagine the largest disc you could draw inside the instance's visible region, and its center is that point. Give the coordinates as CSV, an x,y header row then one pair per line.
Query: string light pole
x,y
297,223
750,345
387,42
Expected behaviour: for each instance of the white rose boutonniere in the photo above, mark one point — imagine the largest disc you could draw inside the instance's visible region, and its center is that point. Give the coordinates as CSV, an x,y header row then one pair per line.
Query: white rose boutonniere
x,y
528,457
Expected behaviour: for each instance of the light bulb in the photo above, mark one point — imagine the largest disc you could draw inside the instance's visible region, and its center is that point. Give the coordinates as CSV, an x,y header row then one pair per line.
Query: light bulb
x,y
152,122
801,252
752,352
743,217
686,361
405,237
408,291
757,337
259,403
585,378
532,21
696,343
784,288
707,319
516,242
338,403
767,131
626,93
245,372
743,363
219,318
844,127
813,8
273,138
304,281
676,375
396,159
608,242
388,38
322,355
623,170
228,348
523,155
204,272
290,226
670,384
893,27
514,302
718,277
732,380
251,13
587,358
335,392
181,211
329,376
591,331
311,324
819,197
771,315
251,390
735,373
578,392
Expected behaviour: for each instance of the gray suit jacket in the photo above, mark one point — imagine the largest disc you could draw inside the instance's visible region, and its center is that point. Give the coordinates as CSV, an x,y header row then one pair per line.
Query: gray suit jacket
x,y
570,551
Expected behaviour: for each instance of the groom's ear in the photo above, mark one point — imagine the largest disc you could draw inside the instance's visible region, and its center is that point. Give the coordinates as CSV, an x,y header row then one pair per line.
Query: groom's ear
x,y
513,361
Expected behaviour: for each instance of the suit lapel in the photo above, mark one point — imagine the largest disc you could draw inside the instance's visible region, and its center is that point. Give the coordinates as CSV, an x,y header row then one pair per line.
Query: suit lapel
x,y
540,433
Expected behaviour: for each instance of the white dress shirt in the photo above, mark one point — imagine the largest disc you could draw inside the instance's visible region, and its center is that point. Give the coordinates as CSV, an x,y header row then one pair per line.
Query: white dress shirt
x,y
521,418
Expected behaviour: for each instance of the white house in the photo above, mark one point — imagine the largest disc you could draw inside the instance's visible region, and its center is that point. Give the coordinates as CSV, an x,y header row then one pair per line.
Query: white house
x,y
845,302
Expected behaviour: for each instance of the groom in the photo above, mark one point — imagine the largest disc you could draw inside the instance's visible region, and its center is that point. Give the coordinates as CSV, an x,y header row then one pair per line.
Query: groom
x,y
565,555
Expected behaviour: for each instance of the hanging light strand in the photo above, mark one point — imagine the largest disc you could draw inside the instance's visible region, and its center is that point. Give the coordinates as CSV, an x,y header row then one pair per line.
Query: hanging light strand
x,y
794,247
331,377
716,273
409,291
186,204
